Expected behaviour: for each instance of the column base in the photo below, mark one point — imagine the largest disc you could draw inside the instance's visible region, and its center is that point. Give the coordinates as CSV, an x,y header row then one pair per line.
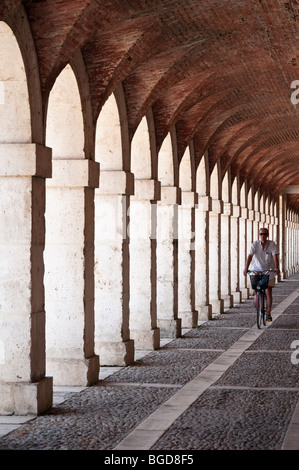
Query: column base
x,y
146,340
217,307
25,398
116,353
228,301
170,328
189,318
237,296
244,293
204,312
74,372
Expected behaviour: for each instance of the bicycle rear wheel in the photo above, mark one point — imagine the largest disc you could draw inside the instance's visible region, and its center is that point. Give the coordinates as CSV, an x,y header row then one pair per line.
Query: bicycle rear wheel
x,y
264,308
259,310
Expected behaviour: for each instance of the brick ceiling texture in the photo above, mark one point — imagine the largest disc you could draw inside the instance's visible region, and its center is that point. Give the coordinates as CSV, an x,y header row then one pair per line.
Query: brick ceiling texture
x,y
219,70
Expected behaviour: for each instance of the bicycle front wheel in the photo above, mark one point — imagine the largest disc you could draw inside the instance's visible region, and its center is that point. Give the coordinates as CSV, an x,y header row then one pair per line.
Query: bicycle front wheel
x,y
259,310
264,308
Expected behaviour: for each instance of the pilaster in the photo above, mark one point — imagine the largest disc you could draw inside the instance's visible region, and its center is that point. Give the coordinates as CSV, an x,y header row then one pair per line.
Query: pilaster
x,y
112,268
24,387
215,257
143,268
235,254
69,276
225,255
167,262
202,304
186,239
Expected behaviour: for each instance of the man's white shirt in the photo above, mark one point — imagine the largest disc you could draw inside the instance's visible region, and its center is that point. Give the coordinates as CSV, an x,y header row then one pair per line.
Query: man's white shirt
x,y
263,259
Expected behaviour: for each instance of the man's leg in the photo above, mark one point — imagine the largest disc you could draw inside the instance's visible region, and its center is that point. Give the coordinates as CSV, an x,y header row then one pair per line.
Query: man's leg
x,y
269,300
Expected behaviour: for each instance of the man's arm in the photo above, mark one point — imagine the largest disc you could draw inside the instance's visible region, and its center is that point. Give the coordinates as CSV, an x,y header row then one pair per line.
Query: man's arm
x,y
247,264
276,261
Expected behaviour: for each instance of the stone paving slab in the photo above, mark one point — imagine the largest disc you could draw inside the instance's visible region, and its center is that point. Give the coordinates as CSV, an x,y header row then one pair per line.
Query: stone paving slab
x,y
94,419
232,420
276,340
234,320
290,321
166,366
262,369
206,337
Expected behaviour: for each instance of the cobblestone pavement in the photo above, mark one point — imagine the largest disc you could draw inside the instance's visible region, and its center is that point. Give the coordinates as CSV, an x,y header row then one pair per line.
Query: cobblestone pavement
x,y
224,385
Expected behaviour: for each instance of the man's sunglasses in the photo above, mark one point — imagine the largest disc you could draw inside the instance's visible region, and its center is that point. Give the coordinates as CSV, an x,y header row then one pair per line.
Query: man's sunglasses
x,y
265,234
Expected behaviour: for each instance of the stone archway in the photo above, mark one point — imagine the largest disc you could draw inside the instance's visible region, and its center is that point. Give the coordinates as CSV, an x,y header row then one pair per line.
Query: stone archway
x,y
23,169
142,233
69,240
112,199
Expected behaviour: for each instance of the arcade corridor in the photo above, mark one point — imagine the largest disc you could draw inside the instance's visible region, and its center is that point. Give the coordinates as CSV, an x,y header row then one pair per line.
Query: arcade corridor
x,y
143,144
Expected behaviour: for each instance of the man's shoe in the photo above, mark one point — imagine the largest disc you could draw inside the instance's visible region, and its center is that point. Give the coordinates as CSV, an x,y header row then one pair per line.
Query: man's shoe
x,y
269,318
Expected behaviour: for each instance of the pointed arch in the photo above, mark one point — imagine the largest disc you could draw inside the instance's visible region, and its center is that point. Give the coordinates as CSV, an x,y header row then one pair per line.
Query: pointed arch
x,y
108,150
15,117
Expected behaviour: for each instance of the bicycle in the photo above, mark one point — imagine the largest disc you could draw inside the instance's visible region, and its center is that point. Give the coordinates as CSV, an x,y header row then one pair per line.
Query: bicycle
x,y
259,282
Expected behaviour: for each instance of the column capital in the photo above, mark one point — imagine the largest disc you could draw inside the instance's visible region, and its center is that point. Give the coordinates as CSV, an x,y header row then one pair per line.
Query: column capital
x,y
171,195
25,159
116,182
74,173
204,203
147,189
244,213
189,198
227,208
236,211
217,206
251,214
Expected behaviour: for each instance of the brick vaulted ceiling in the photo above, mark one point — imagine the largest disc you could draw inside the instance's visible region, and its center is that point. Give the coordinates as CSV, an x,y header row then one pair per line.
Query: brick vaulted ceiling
x,y
220,71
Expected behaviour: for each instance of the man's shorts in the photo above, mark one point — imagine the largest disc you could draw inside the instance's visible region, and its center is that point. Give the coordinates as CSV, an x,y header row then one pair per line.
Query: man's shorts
x,y
271,282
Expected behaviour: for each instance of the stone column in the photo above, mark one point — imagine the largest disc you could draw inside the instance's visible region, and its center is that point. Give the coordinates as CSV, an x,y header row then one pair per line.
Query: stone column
x,y
215,257
186,233
243,251
167,263
143,270
112,269
249,241
256,224
287,252
24,389
202,258
293,244
297,243
69,277
282,236
235,265
225,256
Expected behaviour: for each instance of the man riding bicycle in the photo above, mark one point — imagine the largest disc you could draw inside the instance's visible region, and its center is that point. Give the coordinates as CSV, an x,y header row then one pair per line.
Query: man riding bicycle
x,y
264,255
